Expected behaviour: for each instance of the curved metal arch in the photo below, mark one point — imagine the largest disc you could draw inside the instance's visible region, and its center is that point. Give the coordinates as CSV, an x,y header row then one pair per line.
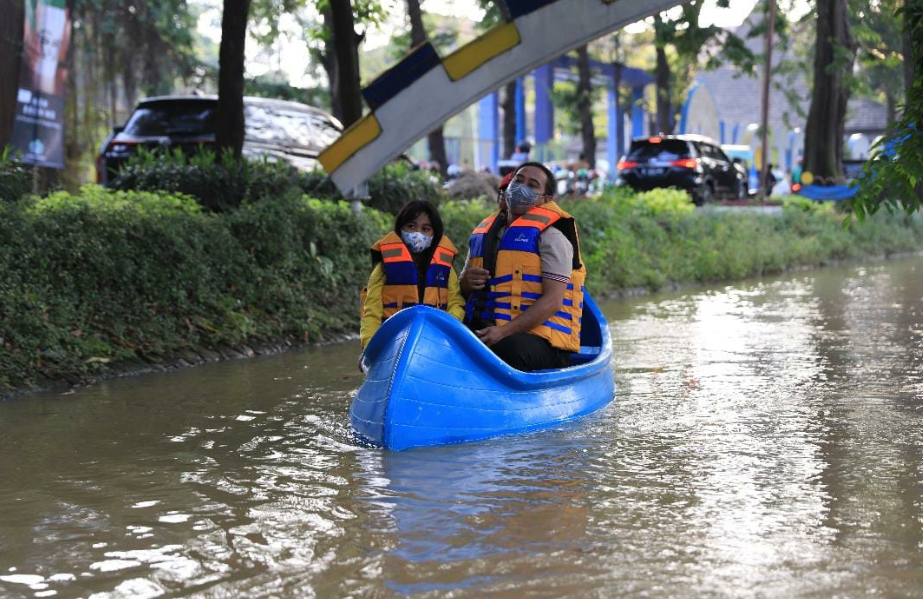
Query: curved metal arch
x,y
423,90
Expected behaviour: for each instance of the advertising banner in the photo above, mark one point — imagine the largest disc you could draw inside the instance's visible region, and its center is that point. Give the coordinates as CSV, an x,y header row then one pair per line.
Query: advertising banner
x,y
38,129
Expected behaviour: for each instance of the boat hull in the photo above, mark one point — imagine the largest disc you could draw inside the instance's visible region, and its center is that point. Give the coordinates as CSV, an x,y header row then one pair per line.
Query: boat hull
x,y
430,381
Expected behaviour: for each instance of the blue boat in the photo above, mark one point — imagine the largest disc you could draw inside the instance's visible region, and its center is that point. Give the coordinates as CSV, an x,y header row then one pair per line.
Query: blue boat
x,y
431,381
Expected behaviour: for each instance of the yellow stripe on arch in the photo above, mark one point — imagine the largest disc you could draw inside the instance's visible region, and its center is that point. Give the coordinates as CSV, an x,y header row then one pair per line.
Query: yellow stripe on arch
x,y
471,56
360,134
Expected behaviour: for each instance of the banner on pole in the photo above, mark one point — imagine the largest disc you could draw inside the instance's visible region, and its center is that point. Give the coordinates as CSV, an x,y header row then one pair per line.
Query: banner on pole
x,y
38,128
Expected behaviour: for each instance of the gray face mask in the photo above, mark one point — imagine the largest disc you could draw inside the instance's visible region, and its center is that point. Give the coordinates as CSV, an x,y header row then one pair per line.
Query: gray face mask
x,y
520,196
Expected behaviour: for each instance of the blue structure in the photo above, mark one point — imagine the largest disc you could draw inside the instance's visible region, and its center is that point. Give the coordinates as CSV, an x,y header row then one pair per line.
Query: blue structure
x,y
489,131
430,381
563,69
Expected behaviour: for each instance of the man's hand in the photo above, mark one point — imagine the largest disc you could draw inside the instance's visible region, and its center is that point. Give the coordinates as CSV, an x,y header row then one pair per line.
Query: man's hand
x,y
492,335
473,279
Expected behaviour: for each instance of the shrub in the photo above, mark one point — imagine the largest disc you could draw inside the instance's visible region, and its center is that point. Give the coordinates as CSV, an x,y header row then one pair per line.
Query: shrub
x,y
104,276
665,202
15,178
221,183
473,185
218,183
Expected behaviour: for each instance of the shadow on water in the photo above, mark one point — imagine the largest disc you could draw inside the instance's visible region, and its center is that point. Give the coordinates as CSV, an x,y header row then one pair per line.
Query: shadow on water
x,y
454,513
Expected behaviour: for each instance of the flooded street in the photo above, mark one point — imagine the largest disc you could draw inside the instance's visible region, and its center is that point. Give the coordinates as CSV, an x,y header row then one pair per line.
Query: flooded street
x,y
766,440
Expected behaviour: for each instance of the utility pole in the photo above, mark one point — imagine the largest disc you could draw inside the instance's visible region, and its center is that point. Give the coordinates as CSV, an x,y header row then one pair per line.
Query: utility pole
x,y
764,121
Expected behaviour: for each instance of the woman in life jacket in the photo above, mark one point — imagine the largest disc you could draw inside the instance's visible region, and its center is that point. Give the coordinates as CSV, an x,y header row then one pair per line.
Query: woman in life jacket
x,y
411,265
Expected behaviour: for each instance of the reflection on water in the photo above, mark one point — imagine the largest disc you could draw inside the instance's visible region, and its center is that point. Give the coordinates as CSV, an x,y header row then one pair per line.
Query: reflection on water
x,y
766,442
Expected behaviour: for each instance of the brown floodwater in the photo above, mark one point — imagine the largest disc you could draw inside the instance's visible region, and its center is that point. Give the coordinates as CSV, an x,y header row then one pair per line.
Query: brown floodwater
x,y
766,441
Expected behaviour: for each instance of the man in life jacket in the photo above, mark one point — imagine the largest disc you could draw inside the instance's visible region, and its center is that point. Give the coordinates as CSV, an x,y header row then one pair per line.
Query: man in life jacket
x,y
523,280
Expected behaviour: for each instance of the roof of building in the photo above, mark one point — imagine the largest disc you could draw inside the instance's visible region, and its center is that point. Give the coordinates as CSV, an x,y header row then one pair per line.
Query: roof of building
x,y
738,96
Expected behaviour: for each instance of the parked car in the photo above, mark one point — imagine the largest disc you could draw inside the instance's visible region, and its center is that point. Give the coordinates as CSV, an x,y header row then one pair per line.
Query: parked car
x,y
275,129
693,163
745,161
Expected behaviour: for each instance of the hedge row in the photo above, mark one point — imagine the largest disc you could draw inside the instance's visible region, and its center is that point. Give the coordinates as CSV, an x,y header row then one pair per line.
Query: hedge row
x,y
101,277
104,276
221,184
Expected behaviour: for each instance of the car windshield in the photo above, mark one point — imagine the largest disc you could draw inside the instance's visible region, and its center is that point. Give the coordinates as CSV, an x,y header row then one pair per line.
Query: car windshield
x,y
288,127
174,118
666,150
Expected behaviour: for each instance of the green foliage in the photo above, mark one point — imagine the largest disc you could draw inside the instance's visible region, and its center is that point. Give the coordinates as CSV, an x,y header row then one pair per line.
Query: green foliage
x,y
399,183
272,86
218,183
221,183
665,202
893,176
108,276
389,189
459,217
15,178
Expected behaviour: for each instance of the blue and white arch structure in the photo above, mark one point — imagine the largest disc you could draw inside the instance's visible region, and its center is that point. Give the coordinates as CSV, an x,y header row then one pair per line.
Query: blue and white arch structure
x,y
424,90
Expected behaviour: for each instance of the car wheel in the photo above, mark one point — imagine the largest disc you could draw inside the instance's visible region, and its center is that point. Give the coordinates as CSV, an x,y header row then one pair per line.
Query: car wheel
x,y
704,195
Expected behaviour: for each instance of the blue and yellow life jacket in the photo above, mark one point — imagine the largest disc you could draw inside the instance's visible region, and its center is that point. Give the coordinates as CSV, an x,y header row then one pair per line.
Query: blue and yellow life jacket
x,y
402,283
516,274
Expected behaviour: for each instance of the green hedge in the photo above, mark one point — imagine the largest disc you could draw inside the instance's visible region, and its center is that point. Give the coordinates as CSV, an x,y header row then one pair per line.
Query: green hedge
x,y
15,178
656,238
103,276
220,183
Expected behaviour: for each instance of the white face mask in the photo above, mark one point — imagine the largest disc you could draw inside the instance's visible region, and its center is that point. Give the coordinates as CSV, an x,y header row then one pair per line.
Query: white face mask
x,y
416,241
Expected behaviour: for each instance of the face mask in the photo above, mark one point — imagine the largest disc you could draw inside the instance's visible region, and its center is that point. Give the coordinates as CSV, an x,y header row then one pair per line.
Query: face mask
x,y
520,196
416,241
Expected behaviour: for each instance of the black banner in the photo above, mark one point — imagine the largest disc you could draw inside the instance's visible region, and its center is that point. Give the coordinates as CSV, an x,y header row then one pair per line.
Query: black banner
x,y
38,129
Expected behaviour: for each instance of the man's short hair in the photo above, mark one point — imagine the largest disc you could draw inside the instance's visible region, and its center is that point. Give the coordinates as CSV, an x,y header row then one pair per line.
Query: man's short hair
x,y
550,184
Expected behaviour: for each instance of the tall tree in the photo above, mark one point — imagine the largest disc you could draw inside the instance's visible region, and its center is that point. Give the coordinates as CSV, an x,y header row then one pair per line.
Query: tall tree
x,y
663,78
833,61
323,43
690,42
509,95
585,105
911,64
436,138
877,29
496,12
347,91
892,175
229,114
11,30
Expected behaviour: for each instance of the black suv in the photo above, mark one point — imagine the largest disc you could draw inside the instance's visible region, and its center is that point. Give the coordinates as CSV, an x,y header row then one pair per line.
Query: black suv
x,y
693,163
278,130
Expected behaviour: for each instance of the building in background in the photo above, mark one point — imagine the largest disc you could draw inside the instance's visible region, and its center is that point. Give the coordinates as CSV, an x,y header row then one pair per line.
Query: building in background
x,y
725,104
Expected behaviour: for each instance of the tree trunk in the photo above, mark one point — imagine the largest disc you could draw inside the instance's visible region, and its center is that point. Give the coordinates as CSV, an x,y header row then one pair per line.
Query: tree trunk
x,y
328,62
664,94
891,103
229,115
345,50
585,106
908,59
436,139
509,119
11,30
823,152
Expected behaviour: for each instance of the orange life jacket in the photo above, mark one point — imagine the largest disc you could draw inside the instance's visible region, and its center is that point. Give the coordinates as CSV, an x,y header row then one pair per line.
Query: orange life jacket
x,y
401,288
516,274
